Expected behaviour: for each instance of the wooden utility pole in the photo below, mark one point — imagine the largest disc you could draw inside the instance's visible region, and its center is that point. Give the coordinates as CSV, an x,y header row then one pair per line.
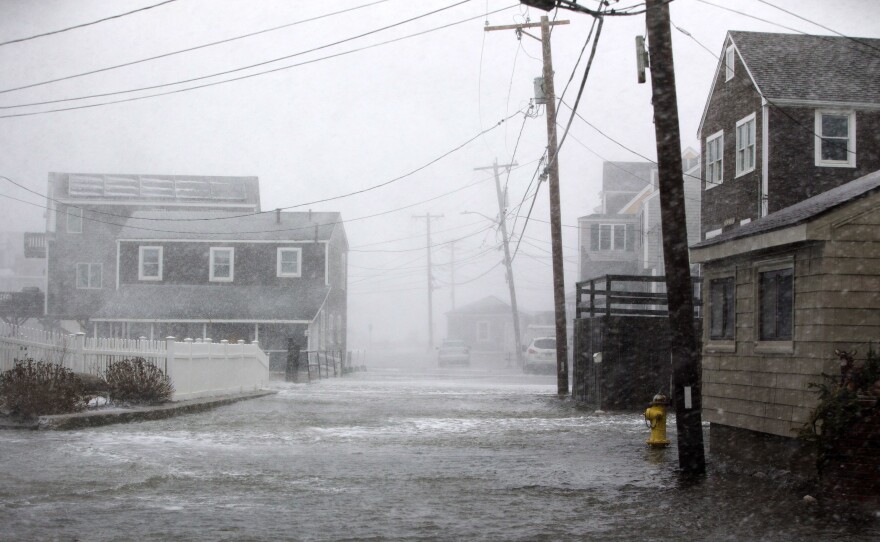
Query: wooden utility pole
x,y
451,246
555,215
428,218
502,223
679,288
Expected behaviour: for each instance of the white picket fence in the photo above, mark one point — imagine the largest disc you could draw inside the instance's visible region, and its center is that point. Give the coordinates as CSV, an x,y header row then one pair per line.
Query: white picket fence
x,y
196,368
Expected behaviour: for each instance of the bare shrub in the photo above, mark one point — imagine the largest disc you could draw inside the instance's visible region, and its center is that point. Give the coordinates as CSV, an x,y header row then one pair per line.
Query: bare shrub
x,y
36,388
137,381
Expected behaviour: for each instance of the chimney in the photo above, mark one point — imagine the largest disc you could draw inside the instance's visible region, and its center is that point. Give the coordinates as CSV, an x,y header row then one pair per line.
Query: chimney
x,y
278,216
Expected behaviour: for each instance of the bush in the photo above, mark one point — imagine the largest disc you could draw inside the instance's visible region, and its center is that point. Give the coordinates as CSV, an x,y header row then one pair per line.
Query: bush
x,y
35,388
137,381
840,405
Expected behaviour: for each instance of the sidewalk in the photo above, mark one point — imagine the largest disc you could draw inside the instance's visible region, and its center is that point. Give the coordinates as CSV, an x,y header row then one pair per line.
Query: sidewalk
x,y
107,416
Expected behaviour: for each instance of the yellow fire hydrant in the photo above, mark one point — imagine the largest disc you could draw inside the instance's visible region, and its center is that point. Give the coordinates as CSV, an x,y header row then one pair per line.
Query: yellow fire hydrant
x,y
655,419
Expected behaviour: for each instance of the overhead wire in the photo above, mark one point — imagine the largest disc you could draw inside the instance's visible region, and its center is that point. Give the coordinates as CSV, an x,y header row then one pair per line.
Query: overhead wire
x,y
248,76
69,28
190,49
820,25
241,68
298,205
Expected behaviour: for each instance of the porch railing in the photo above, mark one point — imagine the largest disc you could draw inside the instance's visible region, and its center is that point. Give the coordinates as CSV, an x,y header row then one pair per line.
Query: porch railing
x,y
628,295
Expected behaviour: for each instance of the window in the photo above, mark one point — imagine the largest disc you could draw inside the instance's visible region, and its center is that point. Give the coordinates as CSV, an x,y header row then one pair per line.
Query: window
x,y
74,220
289,262
745,145
721,308
483,331
222,264
612,237
776,307
150,263
89,275
835,138
728,63
714,159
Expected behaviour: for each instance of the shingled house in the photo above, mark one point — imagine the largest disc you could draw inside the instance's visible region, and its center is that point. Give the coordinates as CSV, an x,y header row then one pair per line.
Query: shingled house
x,y
155,256
784,292
788,117
790,249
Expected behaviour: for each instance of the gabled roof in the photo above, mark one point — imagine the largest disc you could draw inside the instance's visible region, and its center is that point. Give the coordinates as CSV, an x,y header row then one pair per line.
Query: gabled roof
x,y
809,67
230,226
487,305
626,176
202,303
801,212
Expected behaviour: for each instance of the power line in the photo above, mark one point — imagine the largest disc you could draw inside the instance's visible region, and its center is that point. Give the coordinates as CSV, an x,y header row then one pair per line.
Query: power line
x,y
323,200
382,213
44,34
862,43
189,49
241,68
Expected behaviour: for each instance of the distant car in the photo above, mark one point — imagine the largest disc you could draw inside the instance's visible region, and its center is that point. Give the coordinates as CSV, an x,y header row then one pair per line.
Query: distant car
x,y
540,356
453,352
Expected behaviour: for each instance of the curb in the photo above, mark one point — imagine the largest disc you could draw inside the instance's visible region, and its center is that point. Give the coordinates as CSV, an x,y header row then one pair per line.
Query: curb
x,y
96,418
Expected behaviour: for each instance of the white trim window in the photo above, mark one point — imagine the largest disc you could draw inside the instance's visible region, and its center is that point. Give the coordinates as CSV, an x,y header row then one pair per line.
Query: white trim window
x,y
289,262
222,264
150,263
745,145
714,159
835,138
74,219
729,63
612,237
89,276
483,331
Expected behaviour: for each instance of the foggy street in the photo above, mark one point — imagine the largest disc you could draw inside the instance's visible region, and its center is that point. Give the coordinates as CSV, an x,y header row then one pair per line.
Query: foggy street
x,y
478,453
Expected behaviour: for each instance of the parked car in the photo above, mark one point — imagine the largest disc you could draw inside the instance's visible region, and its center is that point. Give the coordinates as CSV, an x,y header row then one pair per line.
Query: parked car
x,y
540,356
453,352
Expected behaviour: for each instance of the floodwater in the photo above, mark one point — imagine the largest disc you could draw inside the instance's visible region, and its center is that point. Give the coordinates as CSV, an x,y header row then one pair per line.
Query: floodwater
x,y
386,455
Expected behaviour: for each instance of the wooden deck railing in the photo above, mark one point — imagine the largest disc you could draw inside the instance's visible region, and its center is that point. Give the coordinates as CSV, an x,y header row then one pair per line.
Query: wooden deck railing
x,y
627,295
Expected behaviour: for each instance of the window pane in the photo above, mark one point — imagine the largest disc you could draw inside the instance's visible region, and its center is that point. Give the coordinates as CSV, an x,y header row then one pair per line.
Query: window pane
x,y
619,236
289,262
95,275
82,275
222,263
594,237
784,305
835,125
768,306
605,237
834,149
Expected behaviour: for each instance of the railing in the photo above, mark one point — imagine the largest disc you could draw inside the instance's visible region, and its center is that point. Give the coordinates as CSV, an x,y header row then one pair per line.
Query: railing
x,y
196,368
627,295
34,244
322,362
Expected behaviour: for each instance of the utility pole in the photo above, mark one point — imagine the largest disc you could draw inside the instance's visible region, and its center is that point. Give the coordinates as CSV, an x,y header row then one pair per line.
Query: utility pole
x,y
502,222
679,288
451,246
428,218
555,215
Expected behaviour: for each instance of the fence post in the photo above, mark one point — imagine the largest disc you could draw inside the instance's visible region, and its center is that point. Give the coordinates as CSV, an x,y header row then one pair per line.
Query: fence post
x,y
79,345
169,357
291,370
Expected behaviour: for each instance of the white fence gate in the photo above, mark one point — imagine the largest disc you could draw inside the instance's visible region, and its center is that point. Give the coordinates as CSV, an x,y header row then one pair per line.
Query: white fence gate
x,y
196,368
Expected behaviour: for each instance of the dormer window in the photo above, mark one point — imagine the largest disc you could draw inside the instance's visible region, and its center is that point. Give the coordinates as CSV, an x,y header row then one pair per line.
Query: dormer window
x,y
728,63
835,138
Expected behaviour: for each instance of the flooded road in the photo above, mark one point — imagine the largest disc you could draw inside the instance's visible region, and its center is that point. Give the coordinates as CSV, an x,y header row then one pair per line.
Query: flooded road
x,y
385,456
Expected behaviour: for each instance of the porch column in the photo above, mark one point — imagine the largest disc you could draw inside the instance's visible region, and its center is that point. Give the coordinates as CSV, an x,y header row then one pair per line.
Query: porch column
x,y
204,331
256,332
151,330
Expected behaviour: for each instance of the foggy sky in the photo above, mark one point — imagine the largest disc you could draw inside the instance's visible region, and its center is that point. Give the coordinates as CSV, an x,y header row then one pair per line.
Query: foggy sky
x,y
343,124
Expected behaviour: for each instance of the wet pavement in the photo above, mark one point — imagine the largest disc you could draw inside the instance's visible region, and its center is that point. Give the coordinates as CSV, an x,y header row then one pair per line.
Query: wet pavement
x,y
387,455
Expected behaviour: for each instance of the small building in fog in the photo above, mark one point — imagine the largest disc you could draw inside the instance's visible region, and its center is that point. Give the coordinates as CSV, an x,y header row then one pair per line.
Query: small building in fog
x,y
485,325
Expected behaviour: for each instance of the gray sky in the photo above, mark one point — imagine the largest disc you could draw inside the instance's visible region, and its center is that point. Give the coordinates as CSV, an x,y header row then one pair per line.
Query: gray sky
x,y
342,124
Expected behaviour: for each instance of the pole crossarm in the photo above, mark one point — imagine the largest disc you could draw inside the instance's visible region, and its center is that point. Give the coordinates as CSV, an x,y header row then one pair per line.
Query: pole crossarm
x,y
520,26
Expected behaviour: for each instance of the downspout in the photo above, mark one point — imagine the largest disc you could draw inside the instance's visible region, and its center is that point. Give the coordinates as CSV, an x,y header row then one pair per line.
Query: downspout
x,y
765,156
